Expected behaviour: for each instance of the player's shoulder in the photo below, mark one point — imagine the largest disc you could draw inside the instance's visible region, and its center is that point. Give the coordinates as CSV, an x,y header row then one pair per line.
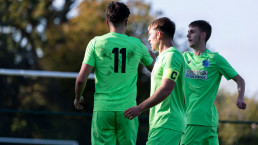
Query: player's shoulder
x,y
216,57
92,42
95,39
101,37
109,35
213,55
187,54
135,40
173,52
136,43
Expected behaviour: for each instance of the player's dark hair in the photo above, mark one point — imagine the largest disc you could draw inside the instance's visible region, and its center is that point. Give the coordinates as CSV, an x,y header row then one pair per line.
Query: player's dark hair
x,y
204,26
117,12
164,25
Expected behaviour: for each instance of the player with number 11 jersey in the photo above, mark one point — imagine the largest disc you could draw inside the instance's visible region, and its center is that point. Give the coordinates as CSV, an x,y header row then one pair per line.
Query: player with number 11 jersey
x,y
115,58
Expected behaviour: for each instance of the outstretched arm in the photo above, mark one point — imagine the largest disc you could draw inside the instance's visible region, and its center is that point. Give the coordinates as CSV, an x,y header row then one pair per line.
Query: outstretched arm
x,y
241,91
80,85
159,95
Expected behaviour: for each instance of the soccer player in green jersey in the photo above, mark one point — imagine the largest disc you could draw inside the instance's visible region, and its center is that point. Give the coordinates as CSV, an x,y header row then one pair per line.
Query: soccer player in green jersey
x,y
115,58
166,103
203,72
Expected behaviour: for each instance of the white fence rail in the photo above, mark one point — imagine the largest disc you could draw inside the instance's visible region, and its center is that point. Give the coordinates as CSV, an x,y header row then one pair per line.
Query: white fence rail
x,y
37,141
39,73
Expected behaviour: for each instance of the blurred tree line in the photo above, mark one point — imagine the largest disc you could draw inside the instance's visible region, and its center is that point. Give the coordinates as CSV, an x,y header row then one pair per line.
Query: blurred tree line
x,y
232,133
38,35
42,35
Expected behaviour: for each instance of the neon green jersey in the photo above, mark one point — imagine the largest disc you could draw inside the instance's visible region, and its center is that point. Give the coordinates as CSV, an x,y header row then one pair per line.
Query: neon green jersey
x,y
115,58
170,113
202,78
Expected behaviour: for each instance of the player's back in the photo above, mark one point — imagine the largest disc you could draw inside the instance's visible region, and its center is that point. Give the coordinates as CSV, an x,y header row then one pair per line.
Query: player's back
x,y
117,57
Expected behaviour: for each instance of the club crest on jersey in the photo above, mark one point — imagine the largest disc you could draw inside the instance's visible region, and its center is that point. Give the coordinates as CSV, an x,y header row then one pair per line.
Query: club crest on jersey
x,y
206,63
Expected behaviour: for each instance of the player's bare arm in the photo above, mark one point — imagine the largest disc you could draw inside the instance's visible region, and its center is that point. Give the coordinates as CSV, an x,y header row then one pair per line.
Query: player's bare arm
x,y
80,85
159,95
241,91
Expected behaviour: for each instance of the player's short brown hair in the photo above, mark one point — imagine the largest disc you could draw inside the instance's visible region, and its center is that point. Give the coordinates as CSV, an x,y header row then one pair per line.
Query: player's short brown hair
x,y
117,12
164,25
204,26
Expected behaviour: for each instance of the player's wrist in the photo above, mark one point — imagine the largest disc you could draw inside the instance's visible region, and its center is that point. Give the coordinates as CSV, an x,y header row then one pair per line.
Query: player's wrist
x,y
240,97
77,97
140,107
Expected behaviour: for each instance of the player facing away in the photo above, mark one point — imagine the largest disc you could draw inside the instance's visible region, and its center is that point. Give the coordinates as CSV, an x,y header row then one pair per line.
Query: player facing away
x,y
203,72
166,101
115,58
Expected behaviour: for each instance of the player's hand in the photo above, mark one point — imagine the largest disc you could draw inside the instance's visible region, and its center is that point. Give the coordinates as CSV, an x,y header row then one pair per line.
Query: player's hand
x,y
78,103
241,104
132,112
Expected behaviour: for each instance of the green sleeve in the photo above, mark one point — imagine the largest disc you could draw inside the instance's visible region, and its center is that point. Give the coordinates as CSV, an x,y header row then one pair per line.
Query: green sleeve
x,y
172,66
225,68
172,61
89,57
146,58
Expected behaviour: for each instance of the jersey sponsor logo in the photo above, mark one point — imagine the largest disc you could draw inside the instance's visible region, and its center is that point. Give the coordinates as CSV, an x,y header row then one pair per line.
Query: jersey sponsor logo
x,y
206,63
196,74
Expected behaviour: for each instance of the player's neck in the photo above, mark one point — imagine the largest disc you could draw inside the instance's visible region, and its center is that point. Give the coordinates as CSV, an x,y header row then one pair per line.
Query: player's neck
x,y
199,50
120,30
164,45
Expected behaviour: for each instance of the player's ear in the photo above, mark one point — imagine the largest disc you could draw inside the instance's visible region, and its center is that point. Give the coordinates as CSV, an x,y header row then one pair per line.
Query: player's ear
x,y
159,34
126,22
107,22
203,35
